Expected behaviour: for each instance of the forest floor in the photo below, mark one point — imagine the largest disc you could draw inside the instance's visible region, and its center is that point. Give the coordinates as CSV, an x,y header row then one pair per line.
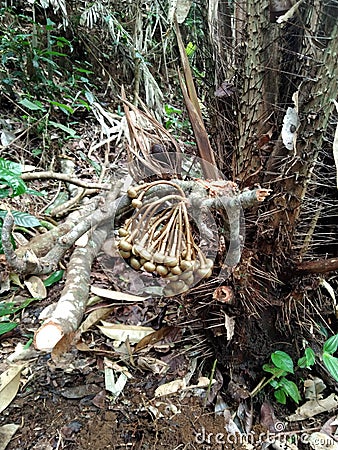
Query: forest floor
x,y
95,391
66,400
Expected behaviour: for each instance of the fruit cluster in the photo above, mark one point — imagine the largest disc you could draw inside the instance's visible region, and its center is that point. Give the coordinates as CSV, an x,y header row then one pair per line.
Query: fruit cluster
x,y
158,239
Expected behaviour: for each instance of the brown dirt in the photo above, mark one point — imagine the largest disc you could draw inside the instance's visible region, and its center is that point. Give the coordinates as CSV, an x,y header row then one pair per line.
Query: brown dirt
x,y
62,402
49,420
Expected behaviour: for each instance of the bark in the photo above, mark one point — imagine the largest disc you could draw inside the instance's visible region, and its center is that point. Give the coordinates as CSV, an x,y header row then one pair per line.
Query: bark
x,y
71,306
318,266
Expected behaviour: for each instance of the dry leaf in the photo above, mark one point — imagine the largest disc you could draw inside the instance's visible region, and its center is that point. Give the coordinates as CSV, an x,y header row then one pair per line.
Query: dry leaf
x,y
170,388
157,336
155,365
9,385
314,407
323,282
290,13
226,89
180,8
94,317
268,418
22,353
114,387
81,391
116,295
313,388
120,332
14,278
6,434
64,346
330,427
36,287
230,425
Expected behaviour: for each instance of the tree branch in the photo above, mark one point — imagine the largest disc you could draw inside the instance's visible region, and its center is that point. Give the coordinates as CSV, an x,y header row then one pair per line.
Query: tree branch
x,y
318,266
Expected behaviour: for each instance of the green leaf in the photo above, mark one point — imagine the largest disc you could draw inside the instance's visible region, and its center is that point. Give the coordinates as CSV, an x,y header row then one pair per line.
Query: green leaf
x,y
22,219
274,383
331,363
34,192
65,108
291,389
10,166
5,193
190,48
5,327
308,359
169,110
49,24
83,103
53,278
33,106
81,70
282,360
7,308
331,345
14,181
276,371
53,53
280,396
67,130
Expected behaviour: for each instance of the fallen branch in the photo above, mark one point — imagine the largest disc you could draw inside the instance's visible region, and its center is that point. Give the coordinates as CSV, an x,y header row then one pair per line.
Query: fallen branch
x,y
318,266
71,306
49,175
44,252
30,263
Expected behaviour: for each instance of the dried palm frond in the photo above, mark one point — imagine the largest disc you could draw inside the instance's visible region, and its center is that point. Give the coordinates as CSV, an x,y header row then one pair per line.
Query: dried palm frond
x,y
151,148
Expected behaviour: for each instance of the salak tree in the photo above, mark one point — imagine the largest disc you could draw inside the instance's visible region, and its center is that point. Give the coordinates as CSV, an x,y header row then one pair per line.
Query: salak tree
x,y
266,75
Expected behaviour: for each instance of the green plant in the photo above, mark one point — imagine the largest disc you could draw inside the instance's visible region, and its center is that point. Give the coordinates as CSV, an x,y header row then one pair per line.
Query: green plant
x,y
330,361
8,309
12,185
174,121
37,63
10,178
282,365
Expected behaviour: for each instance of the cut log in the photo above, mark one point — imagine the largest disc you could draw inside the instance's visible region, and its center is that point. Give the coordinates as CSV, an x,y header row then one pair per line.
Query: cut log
x,y
68,313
